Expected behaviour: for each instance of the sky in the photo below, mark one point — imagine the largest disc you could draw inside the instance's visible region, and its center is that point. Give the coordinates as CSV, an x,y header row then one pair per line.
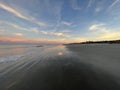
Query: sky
x,y
59,21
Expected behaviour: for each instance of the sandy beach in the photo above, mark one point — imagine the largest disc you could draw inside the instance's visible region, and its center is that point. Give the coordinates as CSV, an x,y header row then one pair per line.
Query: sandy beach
x,y
71,67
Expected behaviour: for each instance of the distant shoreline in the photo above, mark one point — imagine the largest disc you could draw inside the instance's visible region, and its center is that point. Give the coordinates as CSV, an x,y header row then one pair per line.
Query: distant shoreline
x,y
97,42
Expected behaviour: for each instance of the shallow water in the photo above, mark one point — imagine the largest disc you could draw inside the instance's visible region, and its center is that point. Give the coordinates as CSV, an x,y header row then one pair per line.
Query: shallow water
x,y
14,52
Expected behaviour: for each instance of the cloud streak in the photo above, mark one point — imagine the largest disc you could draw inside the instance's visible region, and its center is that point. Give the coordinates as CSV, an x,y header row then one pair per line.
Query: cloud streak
x,y
18,27
18,34
33,29
103,33
11,10
59,34
113,4
18,14
95,26
90,3
66,23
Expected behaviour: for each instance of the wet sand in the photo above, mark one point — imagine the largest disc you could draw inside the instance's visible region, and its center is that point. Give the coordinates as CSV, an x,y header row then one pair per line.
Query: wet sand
x,y
57,68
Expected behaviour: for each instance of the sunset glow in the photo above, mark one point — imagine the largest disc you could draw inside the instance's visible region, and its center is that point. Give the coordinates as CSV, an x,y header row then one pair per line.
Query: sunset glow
x,y
59,21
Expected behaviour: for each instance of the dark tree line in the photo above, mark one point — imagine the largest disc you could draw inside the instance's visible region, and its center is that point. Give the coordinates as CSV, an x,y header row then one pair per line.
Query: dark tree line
x,y
99,42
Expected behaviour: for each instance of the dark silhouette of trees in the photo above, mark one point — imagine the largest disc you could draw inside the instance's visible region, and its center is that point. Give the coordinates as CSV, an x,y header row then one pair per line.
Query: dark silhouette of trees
x,y
99,42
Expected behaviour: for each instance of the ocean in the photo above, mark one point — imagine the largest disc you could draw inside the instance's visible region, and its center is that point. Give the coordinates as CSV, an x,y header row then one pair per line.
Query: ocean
x,y
13,52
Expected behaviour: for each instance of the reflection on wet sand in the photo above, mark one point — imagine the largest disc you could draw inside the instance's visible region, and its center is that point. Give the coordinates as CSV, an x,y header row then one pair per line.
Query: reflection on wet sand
x,y
56,69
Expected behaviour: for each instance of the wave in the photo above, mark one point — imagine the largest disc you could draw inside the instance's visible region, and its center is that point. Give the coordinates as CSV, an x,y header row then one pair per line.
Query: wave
x,y
10,58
